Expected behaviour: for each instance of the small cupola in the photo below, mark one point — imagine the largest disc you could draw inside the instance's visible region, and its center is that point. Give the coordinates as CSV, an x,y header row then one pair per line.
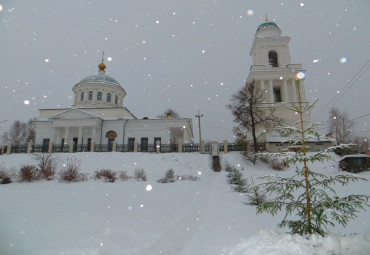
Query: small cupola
x,y
268,29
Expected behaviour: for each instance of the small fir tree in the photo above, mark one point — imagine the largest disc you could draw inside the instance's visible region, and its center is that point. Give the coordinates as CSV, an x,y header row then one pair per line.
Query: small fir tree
x,y
255,195
238,182
309,196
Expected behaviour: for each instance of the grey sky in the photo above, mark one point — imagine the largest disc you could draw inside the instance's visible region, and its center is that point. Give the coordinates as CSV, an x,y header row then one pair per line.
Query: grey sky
x,y
188,55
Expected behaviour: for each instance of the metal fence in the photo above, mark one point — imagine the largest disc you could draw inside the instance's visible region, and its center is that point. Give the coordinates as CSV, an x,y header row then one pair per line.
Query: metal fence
x,y
22,148
163,148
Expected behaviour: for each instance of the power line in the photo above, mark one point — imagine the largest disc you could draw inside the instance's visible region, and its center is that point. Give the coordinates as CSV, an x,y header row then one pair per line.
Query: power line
x,y
344,90
363,116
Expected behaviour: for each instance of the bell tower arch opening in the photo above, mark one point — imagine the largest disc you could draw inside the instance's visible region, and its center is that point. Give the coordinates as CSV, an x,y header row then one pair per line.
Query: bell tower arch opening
x,y
273,58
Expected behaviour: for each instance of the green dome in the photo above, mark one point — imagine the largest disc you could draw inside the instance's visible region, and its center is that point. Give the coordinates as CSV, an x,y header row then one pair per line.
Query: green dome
x,y
267,24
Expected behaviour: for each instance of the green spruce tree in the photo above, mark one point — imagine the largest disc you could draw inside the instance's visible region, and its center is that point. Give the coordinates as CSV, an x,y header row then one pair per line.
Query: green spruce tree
x,y
308,199
255,195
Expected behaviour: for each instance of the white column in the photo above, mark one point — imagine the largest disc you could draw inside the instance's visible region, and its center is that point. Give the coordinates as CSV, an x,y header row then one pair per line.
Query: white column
x,y
66,135
294,91
226,148
86,96
93,134
54,140
264,90
285,86
80,135
271,91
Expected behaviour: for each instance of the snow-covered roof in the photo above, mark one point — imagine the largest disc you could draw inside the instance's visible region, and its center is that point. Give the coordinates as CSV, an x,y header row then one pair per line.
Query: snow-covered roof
x,y
355,156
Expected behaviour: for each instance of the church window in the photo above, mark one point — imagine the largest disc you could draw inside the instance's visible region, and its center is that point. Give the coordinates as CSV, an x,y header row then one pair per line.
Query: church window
x,y
273,58
131,141
277,94
82,96
99,96
116,99
109,97
90,95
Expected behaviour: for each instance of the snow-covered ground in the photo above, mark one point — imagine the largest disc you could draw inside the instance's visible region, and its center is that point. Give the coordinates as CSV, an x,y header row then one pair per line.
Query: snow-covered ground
x,y
131,217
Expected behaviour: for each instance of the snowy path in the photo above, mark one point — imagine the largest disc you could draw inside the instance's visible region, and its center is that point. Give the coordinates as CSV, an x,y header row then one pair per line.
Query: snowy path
x,y
175,238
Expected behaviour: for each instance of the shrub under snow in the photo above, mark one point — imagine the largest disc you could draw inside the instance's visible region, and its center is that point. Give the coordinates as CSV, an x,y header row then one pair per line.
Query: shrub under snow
x,y
71,171
29,173
107,174
140,175
5,176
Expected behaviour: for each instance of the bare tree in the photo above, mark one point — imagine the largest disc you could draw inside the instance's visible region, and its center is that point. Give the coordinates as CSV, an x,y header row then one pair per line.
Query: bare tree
x,y
362,143
248,112
19,132
169,113
340,125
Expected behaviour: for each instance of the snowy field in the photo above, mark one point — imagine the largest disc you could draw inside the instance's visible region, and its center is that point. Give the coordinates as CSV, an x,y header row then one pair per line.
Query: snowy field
x,y
132,217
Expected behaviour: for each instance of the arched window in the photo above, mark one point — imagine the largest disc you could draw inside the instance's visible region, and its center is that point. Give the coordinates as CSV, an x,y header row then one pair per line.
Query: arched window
x,y
116,100
109,97
90,95
273,58
99,96
82,96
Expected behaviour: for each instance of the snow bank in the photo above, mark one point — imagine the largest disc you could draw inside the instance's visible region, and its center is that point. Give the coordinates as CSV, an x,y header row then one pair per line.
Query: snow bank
x,y
185,217
275,243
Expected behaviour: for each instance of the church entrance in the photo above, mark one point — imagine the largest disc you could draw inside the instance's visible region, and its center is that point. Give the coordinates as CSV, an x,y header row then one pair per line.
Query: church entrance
x,y
111,135
75,143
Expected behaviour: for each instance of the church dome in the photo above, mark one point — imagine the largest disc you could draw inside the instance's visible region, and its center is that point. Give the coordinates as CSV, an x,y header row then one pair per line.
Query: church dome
x,y
99,77
98,90
267,24
268,29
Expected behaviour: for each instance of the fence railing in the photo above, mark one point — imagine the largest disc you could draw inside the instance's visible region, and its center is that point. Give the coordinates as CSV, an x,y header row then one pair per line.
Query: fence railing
x,y
19,149
163,148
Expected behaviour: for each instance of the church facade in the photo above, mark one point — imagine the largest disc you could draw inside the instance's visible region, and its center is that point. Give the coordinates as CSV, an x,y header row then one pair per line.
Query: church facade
x,y
276,76
99,117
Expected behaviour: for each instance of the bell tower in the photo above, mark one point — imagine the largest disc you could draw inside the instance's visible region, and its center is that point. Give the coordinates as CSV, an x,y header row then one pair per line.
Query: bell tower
x,y
273,71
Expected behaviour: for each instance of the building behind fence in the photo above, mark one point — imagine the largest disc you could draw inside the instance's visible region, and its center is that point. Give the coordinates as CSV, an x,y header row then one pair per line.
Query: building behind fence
x,y
114,147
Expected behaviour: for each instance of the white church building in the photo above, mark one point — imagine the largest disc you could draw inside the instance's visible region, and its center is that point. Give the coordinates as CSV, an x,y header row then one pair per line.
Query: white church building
x,y
98,117
275,75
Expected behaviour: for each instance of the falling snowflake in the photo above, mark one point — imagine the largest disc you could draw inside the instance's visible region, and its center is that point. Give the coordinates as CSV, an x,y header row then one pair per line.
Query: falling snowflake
x,y
343,60
250,12
148,187
46,60
26,102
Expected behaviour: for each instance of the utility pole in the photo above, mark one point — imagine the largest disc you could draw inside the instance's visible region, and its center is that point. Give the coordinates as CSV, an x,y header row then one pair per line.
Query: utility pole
x,y
200,131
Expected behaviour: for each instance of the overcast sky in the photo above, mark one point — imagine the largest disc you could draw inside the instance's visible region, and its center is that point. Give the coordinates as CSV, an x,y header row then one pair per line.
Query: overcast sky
x,y
188,55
